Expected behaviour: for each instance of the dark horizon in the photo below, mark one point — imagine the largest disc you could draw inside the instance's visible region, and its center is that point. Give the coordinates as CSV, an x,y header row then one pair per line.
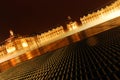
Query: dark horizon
x,y
28,16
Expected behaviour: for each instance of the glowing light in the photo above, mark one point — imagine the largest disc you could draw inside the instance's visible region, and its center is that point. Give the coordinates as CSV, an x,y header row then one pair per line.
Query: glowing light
x,y
11,33
11,49
29,55
70,29
72,25
24,43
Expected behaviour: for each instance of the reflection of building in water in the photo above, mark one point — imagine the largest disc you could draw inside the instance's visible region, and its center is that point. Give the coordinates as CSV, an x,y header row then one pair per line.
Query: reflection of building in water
x,y
13,44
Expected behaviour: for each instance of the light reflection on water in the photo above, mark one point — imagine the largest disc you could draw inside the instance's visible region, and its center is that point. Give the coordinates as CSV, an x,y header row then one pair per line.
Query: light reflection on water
x,y
29,55
13,62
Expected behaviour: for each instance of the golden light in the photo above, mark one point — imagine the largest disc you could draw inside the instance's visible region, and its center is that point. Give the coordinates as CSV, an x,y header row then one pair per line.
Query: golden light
x,y
11,49
114,14
74,25
11,33
29,55
70,29
24,43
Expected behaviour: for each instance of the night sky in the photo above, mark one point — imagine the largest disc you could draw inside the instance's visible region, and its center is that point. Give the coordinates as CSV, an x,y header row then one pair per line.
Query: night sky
x,y
33,16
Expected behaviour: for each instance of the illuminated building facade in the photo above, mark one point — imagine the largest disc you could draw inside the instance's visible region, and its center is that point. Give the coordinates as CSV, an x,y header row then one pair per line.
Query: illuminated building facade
x,y
24,44
13,44
103,14
72,25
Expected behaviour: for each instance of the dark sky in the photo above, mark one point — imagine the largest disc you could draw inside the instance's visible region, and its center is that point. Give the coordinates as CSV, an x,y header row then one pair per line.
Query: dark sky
x,y
30,16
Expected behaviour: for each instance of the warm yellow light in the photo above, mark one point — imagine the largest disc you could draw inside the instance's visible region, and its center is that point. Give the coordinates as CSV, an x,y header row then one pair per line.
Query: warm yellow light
x,y
70,29
11,49
74,27
24,44
11,33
